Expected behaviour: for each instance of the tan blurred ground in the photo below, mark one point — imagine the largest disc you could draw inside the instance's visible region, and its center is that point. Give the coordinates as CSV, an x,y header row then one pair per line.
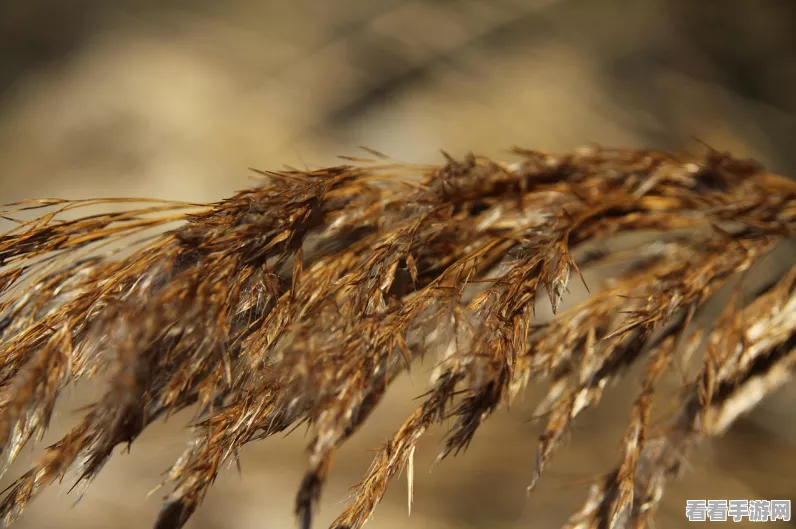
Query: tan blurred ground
x,y
176,99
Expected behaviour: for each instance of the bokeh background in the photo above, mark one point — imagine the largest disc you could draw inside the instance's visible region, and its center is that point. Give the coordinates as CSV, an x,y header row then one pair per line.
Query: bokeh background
x,y
177,98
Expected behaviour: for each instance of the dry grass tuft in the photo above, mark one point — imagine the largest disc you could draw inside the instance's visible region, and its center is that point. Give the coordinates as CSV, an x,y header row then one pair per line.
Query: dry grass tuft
x,y
301,300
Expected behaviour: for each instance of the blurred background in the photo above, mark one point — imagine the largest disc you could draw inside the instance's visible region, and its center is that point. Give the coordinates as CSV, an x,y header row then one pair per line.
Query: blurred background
x,y
177,98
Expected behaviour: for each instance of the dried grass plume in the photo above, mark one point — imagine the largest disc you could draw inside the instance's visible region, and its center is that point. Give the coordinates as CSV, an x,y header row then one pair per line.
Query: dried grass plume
x,y
300,300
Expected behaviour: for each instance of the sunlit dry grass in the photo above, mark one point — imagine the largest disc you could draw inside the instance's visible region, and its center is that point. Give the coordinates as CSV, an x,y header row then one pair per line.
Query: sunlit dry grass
x,y
300,300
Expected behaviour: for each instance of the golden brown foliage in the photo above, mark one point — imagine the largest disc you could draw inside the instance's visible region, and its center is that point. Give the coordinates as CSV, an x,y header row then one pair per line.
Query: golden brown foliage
x,y
301,300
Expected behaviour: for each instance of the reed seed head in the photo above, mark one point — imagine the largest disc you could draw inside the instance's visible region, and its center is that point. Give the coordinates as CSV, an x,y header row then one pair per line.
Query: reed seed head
x,y
300,300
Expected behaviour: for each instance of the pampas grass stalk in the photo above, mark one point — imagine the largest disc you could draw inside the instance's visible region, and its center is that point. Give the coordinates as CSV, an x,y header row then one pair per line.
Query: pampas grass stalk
x,y
300,300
